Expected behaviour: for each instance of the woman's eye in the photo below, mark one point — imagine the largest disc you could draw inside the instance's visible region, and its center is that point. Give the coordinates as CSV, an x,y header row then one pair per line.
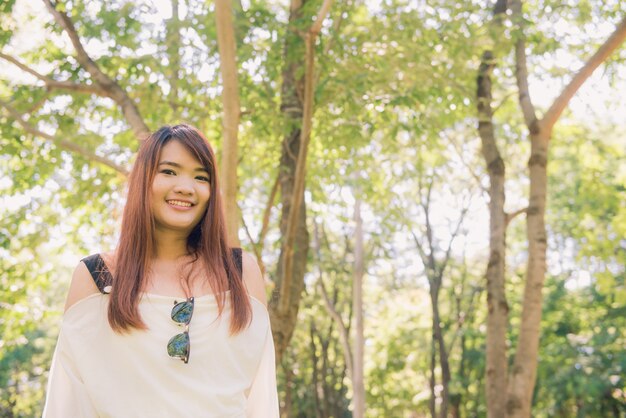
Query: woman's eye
x,y
203,178
168,171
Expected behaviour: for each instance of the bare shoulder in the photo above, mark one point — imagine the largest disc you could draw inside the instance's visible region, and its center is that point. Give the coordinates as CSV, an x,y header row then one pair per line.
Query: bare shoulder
x,y
253,278
81,286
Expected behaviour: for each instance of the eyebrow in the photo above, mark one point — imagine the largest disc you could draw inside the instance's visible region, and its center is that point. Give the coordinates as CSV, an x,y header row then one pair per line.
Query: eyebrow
x,y
173,164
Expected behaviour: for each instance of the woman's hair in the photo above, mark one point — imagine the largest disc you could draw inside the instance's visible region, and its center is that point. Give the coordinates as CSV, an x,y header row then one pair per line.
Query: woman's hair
x,y
207,242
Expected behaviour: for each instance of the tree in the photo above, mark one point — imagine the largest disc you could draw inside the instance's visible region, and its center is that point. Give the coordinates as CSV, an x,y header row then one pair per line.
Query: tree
x,y
521,381
297,106
353,347
231,110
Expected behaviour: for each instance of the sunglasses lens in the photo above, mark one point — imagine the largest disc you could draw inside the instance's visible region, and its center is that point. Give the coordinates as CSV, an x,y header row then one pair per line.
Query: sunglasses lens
x,y
178,346
181,312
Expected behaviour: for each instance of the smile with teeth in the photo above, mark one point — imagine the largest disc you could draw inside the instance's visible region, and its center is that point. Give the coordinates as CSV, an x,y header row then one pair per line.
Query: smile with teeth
x,y
179,203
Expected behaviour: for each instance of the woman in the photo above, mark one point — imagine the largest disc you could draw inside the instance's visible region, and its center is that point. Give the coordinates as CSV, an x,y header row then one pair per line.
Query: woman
x,y
174,322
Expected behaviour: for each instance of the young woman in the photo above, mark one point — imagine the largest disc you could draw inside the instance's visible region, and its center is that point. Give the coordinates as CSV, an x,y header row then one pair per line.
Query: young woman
x,y
174,322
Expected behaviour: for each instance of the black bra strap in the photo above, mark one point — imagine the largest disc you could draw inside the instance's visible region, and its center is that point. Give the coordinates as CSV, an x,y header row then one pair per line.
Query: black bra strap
x,y
99,272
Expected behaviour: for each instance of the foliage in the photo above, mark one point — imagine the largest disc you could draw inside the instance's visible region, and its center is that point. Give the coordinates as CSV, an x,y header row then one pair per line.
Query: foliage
x,y
393,111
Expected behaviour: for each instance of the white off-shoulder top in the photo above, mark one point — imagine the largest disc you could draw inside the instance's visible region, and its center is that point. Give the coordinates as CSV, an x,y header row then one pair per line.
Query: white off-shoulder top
x,y
98,373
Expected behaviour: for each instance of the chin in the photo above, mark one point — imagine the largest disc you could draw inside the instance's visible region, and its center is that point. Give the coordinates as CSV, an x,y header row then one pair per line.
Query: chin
x,y
186,227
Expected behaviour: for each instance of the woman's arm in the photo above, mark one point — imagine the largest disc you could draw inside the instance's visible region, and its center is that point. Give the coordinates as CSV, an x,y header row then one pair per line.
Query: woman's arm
x,y
66,394
263,394
81,286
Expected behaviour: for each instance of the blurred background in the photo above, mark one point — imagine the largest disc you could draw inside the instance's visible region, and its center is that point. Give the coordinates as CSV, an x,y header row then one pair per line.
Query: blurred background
x,y
403,279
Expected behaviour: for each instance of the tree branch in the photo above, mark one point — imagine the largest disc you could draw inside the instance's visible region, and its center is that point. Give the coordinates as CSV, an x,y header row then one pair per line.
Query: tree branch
x,y
610,45
429,228
336,27
108,85
468,312
521,71
457,229
258,249
343,331
35,106
52,83
321,15
510,216
420,250
268,210
468,167
68,145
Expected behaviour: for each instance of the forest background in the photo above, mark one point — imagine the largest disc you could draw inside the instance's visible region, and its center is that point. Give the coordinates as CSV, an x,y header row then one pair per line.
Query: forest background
x,y
456,245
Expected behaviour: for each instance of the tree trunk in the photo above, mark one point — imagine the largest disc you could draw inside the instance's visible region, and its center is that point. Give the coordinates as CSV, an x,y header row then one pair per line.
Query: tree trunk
x,y
442,352
231,111
432,403
285,411
173,44
523,374
358,385
497,307
327,387
297,107
456,398
283,323
435,270
317,392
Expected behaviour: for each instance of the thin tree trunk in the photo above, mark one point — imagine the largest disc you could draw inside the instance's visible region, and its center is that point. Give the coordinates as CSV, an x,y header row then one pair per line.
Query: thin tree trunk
x,y
286,409
314,377
523,374
352,352
297,107
283,323
173,44
432,403
456,399
231,111
443,355
327,386
435,271
497,306
358,384
437,333
297,197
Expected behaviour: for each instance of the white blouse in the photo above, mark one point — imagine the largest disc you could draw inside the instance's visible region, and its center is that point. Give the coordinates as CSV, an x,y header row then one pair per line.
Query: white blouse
x,y
98,373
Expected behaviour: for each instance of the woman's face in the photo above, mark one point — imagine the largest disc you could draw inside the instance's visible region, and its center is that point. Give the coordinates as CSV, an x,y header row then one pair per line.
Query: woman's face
x,y
180,190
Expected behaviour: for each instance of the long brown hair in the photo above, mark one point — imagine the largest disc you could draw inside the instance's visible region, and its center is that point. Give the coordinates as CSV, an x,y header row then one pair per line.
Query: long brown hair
x,y
207,242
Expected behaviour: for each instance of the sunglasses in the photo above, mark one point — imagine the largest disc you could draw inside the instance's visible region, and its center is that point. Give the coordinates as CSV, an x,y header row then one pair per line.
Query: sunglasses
x,y
179,345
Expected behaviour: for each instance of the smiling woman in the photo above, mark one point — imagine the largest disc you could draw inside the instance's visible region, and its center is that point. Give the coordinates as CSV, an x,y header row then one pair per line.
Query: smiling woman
x,y
173,283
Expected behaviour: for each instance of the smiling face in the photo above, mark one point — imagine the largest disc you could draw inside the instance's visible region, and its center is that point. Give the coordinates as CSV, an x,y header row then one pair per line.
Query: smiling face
x,y
180,190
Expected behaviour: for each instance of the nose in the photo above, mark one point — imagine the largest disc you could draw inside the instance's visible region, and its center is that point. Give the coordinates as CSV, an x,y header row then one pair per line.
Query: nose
x,y
184,186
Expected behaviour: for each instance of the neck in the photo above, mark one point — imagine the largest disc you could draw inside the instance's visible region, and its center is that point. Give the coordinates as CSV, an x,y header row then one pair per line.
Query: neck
x,y
170,245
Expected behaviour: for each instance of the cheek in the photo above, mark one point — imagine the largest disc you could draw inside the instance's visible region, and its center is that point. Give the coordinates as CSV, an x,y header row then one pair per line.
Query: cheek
x,y
206,196
206,202
156,186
